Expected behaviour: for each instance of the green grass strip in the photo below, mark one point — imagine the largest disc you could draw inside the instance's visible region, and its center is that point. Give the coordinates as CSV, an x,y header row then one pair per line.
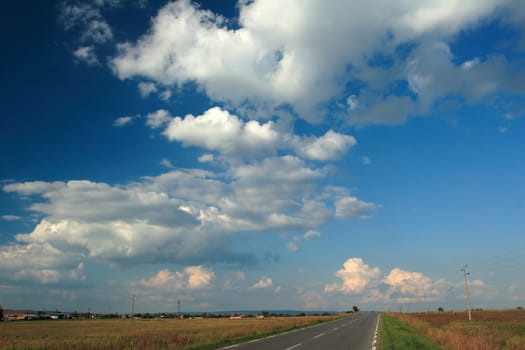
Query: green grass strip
x,y
395,334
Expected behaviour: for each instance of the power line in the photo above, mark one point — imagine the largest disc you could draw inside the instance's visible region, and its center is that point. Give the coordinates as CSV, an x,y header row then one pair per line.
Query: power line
x,y
510,258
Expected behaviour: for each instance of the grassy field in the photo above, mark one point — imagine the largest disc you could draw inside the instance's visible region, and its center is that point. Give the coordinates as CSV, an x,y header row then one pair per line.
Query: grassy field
x,y
397,334
488,330
143,334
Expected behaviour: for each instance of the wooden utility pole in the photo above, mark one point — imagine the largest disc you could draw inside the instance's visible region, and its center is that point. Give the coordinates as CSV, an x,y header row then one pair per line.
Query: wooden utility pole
x,y
465,273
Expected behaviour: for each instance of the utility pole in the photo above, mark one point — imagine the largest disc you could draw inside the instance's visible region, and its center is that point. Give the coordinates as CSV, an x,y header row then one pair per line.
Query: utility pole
x,y
178,308
132,305
465,273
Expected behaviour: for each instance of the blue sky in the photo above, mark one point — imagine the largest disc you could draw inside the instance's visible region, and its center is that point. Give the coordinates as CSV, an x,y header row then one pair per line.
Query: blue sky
x,y
262,155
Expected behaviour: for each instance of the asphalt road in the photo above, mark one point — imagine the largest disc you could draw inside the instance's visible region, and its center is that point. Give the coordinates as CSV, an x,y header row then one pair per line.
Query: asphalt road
x,y
355,332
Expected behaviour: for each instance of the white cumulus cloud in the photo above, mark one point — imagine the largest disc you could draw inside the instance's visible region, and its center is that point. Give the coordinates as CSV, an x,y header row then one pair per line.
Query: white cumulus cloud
x,y
218,130
158,119
86,54
199,276
192,277
331,145
264,282
370,285
147,88
163,277
288,55
355,276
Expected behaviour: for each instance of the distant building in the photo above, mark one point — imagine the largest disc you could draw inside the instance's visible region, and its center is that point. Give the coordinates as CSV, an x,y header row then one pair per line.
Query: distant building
x,y
26,315
18,315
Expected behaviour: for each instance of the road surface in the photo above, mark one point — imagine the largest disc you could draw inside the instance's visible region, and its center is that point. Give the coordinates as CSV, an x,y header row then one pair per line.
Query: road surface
x,y
355,332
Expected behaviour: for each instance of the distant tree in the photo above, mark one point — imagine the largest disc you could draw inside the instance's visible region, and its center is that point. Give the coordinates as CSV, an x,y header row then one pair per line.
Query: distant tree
x,y
1,313
265,313
355,308
519,308
440,309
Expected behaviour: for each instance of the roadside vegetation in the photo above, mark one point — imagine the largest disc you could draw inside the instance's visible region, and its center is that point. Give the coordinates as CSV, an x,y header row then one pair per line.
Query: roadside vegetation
x,y
144,334
488,330
397,334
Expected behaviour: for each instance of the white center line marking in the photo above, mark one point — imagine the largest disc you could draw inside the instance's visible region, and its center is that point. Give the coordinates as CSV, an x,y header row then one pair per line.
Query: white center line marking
x,y
293,346
318,335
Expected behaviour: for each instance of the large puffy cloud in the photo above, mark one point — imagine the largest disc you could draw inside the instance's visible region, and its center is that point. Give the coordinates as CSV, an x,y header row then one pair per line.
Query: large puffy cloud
x,y
292,55
193,277
407,281
162,278
41,263
111,223
199,276
74,200
355,276
183,216
278,192
370,285
218,130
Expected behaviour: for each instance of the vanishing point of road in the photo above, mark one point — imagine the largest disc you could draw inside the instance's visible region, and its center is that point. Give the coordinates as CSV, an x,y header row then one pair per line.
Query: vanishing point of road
x,y
356,333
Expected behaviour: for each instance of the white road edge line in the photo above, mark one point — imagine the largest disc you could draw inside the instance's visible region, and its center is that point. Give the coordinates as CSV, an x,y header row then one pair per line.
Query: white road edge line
x,y
293,346
374,342
318,335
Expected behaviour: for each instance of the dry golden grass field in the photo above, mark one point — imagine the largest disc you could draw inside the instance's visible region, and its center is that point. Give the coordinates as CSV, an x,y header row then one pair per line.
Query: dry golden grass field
x,y
488,330
143,334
